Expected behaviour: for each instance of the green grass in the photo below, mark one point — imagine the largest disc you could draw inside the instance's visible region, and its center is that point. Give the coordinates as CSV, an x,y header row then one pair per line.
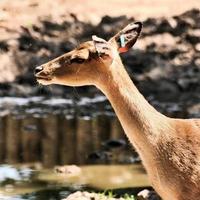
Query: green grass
x,y
129,197
110,194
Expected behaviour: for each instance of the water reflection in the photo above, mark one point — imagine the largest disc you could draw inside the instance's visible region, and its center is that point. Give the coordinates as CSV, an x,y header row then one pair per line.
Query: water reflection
x,y
47,132
65,131
56,138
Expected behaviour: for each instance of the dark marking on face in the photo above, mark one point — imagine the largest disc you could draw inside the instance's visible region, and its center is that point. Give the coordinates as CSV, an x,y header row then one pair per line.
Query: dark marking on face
x,y
62,61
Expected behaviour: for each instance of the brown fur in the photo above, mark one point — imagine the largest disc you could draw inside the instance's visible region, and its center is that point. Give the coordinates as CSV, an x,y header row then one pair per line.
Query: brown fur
x,y
169,148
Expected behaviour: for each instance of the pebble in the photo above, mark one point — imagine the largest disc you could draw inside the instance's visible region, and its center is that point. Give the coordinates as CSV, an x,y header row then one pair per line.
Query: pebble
x,y
143,195
89,196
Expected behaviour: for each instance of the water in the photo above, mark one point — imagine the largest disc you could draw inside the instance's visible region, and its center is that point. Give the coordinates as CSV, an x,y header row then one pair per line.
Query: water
x,y
37,134
28,182
55,131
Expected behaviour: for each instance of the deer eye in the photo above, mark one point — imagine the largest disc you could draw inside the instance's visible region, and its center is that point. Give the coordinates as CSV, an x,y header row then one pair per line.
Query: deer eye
x,y
77,60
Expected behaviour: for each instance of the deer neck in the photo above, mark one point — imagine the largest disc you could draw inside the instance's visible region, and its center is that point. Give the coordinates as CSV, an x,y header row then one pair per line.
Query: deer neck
x,y
140,121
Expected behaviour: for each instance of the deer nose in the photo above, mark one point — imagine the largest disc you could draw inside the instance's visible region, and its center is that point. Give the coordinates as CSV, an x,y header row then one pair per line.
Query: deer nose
x,y
38,69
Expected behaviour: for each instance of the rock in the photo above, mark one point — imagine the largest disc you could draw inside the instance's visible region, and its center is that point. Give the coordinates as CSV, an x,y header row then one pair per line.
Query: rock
x,y
100,157
147,195
90,196
71,170
115,143
143,195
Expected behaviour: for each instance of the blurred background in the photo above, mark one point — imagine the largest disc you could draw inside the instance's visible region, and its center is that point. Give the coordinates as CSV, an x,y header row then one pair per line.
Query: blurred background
x,y
42,127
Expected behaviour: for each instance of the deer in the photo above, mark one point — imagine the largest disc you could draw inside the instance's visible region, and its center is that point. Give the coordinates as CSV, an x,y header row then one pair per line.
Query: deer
x,y
168,147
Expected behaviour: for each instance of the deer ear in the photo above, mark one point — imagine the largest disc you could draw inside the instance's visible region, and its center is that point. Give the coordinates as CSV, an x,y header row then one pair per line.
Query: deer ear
x,y
103,48
127,37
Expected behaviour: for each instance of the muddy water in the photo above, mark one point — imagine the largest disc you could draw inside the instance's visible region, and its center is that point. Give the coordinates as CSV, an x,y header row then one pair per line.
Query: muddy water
x,y
54,133
37,133
26,183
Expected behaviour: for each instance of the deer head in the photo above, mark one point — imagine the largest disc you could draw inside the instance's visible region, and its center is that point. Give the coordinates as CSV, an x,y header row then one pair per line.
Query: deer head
x,y
85,64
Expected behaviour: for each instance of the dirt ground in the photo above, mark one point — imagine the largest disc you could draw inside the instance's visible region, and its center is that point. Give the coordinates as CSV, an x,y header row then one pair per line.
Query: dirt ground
x,y
22,12
17,13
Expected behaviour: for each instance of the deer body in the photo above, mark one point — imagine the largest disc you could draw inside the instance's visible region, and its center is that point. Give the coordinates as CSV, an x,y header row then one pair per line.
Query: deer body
x,y
169,148
166,146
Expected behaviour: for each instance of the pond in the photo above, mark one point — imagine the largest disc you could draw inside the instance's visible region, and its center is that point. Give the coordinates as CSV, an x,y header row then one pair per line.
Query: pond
x,y
29,182
38,133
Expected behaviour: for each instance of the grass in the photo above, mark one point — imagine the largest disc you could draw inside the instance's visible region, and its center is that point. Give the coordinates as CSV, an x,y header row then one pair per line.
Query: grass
x,y
129,197
110,195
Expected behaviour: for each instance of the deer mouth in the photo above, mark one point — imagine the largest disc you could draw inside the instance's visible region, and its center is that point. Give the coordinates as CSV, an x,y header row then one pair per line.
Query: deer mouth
x,y
43,79
42,76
